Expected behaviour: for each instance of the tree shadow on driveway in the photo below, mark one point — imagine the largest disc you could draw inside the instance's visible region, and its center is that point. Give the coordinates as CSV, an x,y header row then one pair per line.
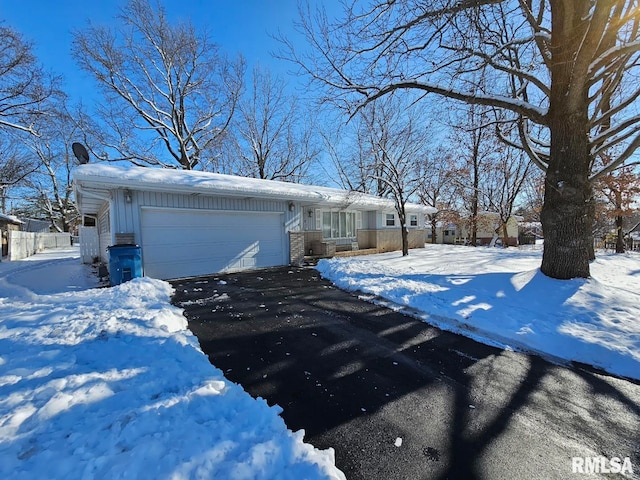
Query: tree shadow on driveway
x,y
394,396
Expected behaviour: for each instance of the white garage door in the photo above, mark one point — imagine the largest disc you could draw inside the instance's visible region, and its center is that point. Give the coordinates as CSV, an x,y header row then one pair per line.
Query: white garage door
x,y
184,243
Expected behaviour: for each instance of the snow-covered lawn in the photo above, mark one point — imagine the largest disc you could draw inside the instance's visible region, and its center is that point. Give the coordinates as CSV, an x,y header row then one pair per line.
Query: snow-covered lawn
x,y
109,383
499,296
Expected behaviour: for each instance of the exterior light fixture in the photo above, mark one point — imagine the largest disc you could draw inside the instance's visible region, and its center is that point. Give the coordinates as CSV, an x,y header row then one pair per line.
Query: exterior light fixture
x,y
127,196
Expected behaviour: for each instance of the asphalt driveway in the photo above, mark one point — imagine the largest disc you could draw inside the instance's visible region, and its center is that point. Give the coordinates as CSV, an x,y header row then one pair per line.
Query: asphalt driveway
x,y
397,398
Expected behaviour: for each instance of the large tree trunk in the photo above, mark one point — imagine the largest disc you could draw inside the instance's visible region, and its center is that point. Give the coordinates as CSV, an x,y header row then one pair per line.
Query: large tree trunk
x,y
566,211
404,230
405,241
434,227
566,218
505,234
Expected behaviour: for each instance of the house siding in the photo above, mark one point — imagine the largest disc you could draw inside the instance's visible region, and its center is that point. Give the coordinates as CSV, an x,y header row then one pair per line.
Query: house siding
x,y
127,215
372,233
104,232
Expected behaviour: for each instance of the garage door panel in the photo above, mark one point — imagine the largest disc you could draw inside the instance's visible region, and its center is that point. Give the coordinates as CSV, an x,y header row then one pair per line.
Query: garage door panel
x,y
180,243
189,251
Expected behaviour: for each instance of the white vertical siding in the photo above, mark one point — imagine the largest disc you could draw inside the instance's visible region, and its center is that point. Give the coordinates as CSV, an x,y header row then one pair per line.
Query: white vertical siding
x,y
104,231
89,244
126,216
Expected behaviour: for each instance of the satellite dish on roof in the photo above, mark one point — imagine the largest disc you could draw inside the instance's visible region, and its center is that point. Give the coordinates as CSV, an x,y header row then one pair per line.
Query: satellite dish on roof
x,y
80,152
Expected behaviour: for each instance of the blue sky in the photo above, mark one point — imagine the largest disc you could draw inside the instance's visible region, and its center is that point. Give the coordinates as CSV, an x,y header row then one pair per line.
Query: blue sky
x,y
238,26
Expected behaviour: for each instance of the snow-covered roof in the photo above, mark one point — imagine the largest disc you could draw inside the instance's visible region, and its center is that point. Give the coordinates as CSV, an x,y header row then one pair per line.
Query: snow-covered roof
x,y
10,219
102,175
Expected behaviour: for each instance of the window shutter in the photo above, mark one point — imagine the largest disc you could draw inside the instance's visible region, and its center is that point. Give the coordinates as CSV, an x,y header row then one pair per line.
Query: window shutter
x,y
358,220
318,219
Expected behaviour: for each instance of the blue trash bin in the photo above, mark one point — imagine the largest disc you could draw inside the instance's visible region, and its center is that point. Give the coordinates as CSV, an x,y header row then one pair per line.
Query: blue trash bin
x,y
125,263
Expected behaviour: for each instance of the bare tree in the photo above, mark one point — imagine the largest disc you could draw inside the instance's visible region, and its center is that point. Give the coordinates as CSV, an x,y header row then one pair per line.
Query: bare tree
x,y
25,88
274,136
350,147
557,66
620,189
348,162
169,92
49,189
395,138
504,180
476,145
439,187
15,166
531,196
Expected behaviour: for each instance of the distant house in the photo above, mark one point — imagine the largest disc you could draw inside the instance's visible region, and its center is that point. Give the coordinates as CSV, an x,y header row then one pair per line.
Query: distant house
x,y
633,238
448,233
488,230
8,222
35,225
195,223
530,233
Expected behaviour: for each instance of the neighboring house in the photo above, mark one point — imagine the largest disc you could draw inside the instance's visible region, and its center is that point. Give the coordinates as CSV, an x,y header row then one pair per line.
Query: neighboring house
x,y
195,223
633,238
489,230
34,225
8,222
530,233
448,233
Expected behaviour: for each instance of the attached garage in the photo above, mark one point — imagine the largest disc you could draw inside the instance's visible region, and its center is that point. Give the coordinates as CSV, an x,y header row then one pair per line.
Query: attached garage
x,y
184,243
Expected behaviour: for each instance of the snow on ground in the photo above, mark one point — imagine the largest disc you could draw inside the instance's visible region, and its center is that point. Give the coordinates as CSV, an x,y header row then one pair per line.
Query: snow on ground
x,y
500,297
109,383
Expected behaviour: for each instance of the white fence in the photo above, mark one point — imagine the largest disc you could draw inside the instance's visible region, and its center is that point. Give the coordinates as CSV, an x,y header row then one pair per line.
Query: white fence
x,y
25,244
89,244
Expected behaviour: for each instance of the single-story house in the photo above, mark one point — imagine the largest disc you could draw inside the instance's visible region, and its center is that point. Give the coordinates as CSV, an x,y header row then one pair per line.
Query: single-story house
x,y
191,223
8,222
488,230
448,232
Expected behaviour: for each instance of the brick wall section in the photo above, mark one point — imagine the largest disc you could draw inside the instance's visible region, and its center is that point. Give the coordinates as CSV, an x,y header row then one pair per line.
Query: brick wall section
x,y
385,240
366,239
391,240
417,238
310,239
296,248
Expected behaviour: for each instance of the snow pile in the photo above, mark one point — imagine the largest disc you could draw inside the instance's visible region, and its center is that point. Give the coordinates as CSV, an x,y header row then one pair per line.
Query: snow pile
x,y
500,297
109,383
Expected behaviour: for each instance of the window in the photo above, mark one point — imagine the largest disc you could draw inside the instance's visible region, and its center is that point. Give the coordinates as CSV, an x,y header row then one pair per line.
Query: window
x,y
326,224
413,220
338,224
390,220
